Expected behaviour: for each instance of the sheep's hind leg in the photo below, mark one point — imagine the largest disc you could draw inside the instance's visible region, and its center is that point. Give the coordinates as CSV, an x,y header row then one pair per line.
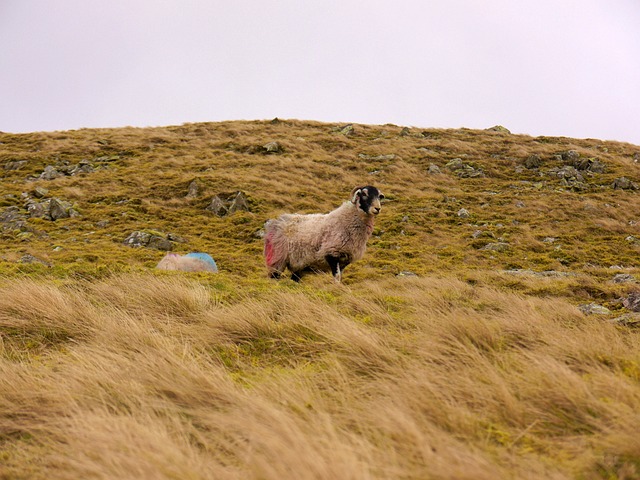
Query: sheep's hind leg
x,y
334,263
296,276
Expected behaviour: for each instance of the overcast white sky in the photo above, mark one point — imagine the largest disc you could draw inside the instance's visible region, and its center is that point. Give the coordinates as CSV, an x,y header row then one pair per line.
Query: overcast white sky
x,y
539,67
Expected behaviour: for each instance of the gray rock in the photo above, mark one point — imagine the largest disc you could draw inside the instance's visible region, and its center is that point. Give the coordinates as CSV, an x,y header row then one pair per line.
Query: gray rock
x,y
377,158
623,183
533,161
59,209
627,320
406,273
434,169
463,170
592,165
405,132
12,219
40,192
217,207
632,302
226,204
499,129
140,239
50,173
160,243
193,189
28,258
455,164
239,203
543,274
272,148
593,309
15,164
463,213
570,156
496,247
38,210
623,278
347,130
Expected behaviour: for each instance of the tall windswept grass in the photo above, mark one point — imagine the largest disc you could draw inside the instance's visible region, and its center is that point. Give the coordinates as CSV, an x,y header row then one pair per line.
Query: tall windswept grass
x,y
143,376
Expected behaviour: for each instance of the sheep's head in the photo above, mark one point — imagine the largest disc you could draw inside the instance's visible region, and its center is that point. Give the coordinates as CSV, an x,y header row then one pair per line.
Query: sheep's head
x,y
367,199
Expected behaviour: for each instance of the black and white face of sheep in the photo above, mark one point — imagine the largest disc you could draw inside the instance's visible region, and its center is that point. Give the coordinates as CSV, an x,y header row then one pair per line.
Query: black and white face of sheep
x,y
367,199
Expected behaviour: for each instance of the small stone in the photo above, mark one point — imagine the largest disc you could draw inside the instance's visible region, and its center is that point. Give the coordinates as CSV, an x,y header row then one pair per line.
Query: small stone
x,y
272,148
40,192
239,203
627,320
406,273
28,258
50,173
632,302
623,278
496,247
193,189
217,207
455,164
593,309
463,213
434,169
15,165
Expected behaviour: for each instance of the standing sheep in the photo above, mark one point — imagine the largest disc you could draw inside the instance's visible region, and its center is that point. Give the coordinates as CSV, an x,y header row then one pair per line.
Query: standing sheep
x,y
322,242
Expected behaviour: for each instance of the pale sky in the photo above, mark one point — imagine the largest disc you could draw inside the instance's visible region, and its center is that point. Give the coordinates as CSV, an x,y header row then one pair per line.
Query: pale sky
x,y
538,67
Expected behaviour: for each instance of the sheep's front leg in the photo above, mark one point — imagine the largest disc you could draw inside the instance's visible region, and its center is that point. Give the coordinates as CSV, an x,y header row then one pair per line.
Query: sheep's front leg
x,y
334,263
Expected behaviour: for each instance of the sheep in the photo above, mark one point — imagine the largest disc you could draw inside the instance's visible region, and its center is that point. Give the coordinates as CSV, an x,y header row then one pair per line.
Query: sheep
x,y
322,242
191,262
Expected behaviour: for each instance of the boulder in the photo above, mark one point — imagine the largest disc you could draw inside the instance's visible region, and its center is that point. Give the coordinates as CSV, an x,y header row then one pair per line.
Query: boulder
x,y
623,183
632,302
51,209
140,239
498,129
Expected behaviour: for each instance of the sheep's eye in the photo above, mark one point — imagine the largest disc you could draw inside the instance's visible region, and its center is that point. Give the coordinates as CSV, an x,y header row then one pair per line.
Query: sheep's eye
x,y
381,196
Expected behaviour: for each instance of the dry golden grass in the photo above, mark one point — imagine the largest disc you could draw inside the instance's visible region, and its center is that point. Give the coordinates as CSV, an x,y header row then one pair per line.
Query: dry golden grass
x,y
142,376
109,369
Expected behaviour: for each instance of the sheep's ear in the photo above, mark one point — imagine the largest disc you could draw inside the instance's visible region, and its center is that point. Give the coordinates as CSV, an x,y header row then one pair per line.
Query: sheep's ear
x,y
354,194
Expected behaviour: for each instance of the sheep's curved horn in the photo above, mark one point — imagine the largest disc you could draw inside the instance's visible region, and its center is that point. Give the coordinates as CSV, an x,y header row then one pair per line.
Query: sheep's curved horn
x,y
354,194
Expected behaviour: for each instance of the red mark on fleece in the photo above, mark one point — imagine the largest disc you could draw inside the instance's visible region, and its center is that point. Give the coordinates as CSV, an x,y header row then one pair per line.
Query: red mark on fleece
x,y
268,250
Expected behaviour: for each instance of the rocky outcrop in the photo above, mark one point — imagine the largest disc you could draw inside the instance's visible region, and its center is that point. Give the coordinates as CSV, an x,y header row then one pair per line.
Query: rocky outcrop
x,y
228,203
150,239
623,183
51,209
464,170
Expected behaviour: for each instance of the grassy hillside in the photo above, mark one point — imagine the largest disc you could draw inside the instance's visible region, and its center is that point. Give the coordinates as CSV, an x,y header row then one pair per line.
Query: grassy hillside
x,y
457,348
